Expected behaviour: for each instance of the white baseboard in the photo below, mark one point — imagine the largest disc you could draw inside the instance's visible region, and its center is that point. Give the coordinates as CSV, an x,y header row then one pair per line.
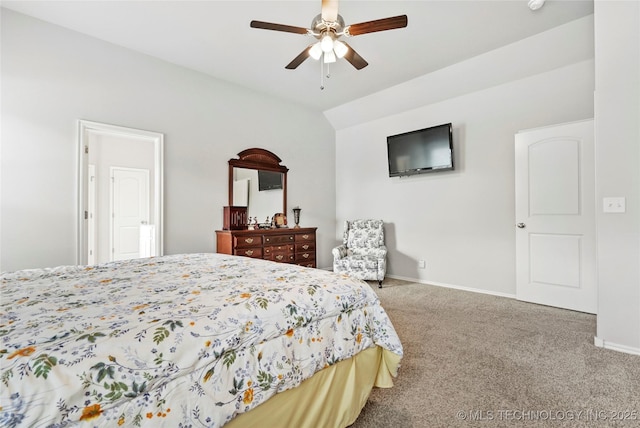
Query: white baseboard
x,y
456,287
600,343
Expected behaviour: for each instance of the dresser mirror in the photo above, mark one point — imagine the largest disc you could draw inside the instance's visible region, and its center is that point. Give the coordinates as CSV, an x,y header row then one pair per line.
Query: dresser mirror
x,y
259,182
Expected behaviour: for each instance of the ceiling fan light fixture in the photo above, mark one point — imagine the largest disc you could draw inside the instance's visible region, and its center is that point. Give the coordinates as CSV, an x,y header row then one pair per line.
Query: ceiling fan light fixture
x,y
316,51
340,48
326,43
329,57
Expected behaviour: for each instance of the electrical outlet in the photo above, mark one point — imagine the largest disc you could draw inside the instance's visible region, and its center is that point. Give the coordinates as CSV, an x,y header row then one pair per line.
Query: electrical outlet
x,y
422,264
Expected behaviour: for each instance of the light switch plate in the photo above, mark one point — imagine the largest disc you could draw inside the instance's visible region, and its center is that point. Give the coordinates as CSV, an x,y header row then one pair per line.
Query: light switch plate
x,y
614,205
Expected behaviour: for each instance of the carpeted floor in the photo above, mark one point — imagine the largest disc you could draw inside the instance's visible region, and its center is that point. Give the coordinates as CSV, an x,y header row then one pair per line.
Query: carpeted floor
x,y
475,360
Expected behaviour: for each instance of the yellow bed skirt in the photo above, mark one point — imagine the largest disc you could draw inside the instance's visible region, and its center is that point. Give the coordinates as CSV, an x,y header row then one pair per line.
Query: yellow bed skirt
x,y
333,397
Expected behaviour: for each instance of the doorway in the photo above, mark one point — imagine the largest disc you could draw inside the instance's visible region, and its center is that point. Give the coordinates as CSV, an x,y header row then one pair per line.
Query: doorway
x,y
103,150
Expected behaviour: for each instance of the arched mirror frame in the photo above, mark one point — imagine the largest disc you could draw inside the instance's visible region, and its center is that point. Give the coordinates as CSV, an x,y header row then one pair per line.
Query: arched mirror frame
x,y
259,159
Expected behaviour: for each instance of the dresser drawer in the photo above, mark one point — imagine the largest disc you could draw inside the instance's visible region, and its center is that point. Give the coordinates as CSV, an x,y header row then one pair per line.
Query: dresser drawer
x,y
305,256
301,247
278,239
307,263
281,258
305,237
248,241
278,249
255,252
279,253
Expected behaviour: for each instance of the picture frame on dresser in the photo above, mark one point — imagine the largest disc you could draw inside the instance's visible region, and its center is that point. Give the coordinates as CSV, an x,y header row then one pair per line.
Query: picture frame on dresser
x,y
280,220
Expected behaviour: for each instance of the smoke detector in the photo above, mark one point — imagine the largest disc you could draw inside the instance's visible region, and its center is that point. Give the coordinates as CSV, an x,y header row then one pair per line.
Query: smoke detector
x,y
535,4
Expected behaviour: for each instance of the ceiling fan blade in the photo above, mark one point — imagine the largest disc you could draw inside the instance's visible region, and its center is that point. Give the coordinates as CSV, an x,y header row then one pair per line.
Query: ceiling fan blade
x,y
377,25
299,59
278,27
330,10
354,59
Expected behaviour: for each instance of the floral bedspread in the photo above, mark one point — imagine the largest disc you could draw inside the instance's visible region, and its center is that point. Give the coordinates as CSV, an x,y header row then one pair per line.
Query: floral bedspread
x,y
182,340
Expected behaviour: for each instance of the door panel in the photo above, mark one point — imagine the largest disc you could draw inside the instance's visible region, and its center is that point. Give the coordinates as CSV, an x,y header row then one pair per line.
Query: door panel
x,y
554,177
555,216
549,252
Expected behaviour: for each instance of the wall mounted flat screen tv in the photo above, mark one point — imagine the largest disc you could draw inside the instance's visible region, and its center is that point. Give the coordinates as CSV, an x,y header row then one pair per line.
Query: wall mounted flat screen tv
x,y
268,180
421,151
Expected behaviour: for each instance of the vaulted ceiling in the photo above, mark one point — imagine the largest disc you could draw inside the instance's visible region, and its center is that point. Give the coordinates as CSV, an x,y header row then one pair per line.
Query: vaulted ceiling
x,y
214,37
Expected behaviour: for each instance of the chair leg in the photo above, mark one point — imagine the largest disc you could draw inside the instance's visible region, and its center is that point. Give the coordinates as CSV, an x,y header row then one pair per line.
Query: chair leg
x,y
379,284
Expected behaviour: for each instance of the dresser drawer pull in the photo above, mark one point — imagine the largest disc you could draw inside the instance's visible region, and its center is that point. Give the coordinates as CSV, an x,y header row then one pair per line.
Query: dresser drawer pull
x,y
279,257
291,238
248,240
305,236
249,252
305,255
305,247
267,239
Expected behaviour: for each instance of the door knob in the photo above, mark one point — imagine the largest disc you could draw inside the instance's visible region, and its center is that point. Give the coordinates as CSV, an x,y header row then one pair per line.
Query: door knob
x,y
521,225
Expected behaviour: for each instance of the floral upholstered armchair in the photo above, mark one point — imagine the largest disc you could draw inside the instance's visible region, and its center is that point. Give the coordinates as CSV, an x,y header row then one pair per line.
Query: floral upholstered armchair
x,y
362,254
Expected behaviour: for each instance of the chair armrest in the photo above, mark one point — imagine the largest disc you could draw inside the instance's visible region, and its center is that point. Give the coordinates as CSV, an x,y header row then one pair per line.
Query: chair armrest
x,y
339,252
378,252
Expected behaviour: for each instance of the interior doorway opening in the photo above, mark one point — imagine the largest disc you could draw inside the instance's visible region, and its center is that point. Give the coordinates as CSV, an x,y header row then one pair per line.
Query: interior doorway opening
x,y
130,226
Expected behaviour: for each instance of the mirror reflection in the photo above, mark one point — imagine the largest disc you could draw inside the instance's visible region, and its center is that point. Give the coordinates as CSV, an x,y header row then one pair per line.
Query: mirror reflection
x,y
260,191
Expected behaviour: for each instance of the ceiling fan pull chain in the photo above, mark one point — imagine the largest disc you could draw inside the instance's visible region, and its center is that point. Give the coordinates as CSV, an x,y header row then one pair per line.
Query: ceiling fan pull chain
x,y
328,70
322,73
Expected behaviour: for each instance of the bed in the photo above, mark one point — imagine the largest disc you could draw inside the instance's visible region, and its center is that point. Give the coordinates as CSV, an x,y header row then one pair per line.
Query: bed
x,y
190,340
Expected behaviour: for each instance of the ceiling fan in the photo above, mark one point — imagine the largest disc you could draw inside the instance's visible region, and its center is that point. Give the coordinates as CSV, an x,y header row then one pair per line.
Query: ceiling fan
x,y
328,27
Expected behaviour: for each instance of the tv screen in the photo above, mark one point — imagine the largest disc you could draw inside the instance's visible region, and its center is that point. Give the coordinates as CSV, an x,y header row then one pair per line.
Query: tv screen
x,y
268,180
424,150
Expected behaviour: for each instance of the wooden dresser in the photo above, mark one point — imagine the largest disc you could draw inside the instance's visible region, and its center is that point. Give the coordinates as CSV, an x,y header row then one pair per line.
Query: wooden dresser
x,y
285,245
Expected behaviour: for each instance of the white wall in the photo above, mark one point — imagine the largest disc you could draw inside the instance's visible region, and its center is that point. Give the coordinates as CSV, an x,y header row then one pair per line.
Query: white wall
x,y
51,77
462,222
617,114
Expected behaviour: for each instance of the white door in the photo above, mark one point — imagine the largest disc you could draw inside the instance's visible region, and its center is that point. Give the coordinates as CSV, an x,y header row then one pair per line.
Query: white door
x,y
130,209
555,216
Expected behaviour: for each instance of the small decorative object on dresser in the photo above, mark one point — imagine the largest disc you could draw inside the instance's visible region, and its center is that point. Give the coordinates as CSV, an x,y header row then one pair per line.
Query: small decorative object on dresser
x,y
296,216
235,218
280,220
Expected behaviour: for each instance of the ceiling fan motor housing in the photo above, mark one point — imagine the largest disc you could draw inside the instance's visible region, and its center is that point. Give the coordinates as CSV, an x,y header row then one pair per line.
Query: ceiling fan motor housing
x,y
319,26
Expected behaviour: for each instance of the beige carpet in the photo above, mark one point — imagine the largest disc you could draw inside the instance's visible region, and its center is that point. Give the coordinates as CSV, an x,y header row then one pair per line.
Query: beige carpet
x,y
475,360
